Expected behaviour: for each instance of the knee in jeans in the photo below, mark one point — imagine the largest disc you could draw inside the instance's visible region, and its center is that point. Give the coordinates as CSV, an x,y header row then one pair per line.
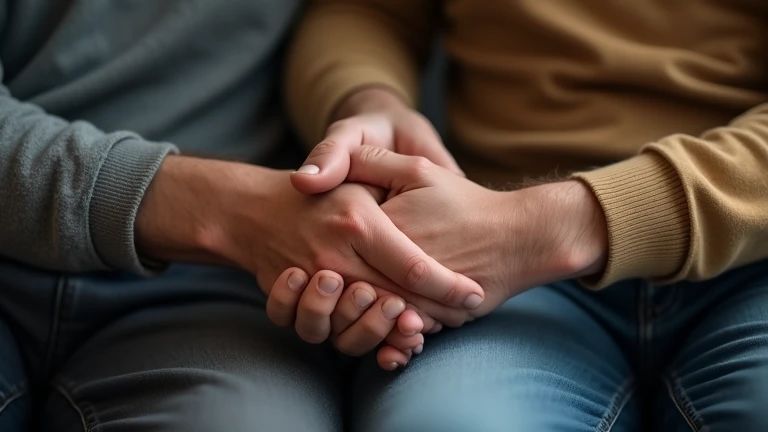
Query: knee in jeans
x,y
462,416
212,407
443,423
239,405
745,420
744,409
752,415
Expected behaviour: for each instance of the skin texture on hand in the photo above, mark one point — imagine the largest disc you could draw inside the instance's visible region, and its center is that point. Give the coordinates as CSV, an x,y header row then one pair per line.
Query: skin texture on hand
x,y
370,116
506,241
234,214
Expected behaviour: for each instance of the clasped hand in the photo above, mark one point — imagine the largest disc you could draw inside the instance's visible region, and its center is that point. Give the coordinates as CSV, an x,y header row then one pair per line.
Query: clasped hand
x,y
463,236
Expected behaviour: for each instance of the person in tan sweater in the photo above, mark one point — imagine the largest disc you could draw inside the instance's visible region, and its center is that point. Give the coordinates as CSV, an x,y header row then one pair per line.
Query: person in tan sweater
x,y
630,285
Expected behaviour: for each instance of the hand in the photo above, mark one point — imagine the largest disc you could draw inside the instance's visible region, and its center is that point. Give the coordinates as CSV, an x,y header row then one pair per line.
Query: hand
x,y
375,117
356,321
226,213
506,241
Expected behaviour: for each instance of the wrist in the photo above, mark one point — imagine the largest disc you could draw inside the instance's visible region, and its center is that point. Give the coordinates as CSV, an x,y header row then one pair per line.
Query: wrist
x,y
168,222
367,100
591,231
184,213
580,233
565,227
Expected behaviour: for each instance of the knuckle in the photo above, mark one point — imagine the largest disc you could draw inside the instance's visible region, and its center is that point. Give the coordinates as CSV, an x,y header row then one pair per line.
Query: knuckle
x,y
417,272
314,311
351,222
310,335
369,153
280,305
419,167
450,296
372,330
455,292
349,312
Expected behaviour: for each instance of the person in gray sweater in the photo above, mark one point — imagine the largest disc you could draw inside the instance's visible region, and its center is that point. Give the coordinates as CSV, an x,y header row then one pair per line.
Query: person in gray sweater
x,y
121,123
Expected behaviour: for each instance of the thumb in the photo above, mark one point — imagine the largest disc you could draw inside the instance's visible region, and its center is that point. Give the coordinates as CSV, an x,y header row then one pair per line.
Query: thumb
x,y
394,172
328,164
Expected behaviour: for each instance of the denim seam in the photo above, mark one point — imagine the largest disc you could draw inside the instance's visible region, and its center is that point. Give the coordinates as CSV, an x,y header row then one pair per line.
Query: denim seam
x,y
661,306
13,394
55,323
678,302
84,410
671,306
640,318
643,323
650,321
616,406
683,403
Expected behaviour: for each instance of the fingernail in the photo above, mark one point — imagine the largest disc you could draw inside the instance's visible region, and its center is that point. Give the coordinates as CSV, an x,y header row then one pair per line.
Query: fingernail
x,y
437,327
363,298
392,366
309,169
418,349
473,301
328,285
392,308
296,281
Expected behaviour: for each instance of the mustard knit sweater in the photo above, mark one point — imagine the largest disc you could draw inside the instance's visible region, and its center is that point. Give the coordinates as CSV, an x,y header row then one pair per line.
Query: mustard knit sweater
x,y
659,106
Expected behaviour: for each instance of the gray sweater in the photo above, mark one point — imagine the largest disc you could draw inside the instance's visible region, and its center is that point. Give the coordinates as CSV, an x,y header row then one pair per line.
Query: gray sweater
x,y
95,93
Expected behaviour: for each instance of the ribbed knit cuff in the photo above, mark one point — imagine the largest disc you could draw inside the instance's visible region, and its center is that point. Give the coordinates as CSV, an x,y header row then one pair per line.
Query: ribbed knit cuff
x,y
648,220
123,179
314,113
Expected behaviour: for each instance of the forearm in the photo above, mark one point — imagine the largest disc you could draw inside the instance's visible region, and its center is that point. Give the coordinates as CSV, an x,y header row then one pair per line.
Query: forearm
x,y
344,45
185,214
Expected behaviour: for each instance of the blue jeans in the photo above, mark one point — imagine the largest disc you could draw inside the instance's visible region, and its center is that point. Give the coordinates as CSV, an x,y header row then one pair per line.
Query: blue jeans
x,y
192,351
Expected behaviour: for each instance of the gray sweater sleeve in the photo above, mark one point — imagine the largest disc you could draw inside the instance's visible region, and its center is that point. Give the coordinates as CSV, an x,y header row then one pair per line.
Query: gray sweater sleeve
x,y
68,191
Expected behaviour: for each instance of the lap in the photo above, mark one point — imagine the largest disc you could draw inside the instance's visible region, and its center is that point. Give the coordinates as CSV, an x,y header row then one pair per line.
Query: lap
x,y
540,362
543,361
719,378
196,366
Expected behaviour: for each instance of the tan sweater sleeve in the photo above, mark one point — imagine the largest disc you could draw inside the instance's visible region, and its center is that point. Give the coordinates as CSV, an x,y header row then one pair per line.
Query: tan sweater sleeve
x,y
343,45
688,207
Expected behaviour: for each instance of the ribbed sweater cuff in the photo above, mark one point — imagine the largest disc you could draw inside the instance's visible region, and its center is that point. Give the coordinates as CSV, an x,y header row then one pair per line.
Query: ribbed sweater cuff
x,y
648,220
119,188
